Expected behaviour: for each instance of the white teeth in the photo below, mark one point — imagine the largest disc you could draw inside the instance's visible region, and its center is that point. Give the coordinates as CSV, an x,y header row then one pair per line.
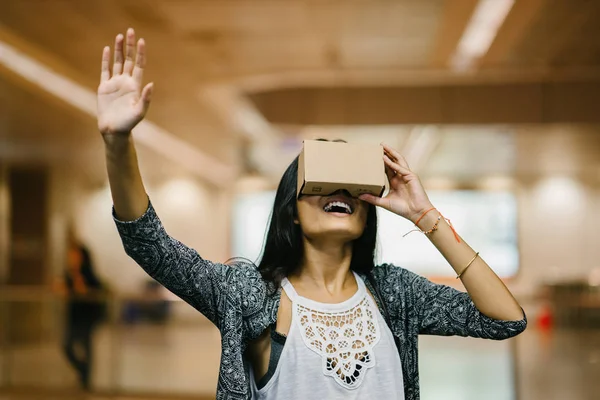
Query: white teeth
x,y
329,206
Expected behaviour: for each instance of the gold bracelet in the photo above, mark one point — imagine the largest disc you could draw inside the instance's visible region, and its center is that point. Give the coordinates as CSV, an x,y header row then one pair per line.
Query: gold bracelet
x,y
468,265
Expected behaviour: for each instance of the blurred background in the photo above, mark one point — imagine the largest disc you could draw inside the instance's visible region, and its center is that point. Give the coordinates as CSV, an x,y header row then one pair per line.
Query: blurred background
x,y
493,102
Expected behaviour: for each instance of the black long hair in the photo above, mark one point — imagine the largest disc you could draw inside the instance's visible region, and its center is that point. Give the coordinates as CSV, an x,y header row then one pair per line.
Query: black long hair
x,y
284,247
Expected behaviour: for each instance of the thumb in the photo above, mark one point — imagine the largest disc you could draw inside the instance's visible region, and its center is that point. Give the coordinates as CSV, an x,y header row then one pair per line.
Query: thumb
x,y
146,96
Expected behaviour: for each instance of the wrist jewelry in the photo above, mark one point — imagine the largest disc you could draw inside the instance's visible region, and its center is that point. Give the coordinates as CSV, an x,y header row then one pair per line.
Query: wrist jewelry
x,y
429,232
422,215
435,226
468,265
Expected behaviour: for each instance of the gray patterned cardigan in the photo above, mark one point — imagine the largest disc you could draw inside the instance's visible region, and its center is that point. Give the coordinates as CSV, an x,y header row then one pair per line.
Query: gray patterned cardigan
x,y
237,300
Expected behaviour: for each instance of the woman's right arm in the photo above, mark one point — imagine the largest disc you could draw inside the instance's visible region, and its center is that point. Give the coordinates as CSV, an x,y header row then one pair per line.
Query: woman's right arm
x,y
122,104
127,189
211,288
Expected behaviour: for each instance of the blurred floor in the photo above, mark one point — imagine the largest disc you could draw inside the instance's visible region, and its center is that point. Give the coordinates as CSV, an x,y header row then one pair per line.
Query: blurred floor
x,y
182,360
78,396
560,364
175,359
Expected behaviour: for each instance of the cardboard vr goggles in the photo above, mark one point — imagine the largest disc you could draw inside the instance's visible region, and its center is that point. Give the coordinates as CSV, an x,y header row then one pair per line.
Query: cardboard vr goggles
x,y
326,167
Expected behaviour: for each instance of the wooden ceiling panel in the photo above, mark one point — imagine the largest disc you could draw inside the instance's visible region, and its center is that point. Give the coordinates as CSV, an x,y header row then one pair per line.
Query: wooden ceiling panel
x,y
256,17
377,34
398,18
267,35
142,14
361,52
563,34
274,53
198,41
583,48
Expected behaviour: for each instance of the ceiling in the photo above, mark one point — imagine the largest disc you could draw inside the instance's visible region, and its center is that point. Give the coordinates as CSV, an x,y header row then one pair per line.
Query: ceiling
x,y
561,33
206,57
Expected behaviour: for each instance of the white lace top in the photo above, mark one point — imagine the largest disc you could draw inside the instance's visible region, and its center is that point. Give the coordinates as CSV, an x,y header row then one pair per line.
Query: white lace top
x,y
335,351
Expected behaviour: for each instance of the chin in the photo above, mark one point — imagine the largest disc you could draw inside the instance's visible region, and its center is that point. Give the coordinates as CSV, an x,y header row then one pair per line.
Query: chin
x,y
340,230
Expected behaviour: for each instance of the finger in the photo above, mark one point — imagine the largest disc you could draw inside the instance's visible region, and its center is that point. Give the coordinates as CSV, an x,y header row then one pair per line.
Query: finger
x,y
146,97
390,173
118,57
376,201
392,157
104,71
129,50
140,62
401,161
383,202
395,155
395,166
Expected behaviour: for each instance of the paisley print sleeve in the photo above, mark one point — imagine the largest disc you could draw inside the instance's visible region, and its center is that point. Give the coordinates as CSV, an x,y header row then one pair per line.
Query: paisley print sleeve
x,y
434,309
209,287
445,311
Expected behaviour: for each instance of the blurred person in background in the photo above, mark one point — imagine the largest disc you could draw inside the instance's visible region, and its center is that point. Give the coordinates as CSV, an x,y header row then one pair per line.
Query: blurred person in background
x,y
86,307
316,318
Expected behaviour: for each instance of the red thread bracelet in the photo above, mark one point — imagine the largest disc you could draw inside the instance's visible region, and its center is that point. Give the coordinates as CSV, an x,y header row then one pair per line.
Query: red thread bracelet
x,y
445,219
422,215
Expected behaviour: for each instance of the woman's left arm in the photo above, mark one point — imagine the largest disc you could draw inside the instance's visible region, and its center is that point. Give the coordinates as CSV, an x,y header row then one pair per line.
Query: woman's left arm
x,y
489,294
408,199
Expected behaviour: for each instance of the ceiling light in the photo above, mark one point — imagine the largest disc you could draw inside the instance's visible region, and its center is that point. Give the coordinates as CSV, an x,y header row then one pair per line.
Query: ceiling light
x,y
477,38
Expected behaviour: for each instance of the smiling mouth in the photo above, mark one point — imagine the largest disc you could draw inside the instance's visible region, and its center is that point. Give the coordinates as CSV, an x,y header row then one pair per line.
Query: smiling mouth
x,y
338,207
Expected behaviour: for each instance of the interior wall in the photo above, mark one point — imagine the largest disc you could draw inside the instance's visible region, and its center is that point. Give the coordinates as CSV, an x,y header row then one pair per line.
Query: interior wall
x,y
558,237
559,191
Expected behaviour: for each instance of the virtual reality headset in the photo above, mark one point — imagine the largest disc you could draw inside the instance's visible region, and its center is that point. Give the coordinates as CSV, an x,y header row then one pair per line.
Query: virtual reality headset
x,y
326,167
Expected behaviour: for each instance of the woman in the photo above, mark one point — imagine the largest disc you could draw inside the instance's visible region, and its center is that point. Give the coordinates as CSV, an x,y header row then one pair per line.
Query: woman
x,y
316,318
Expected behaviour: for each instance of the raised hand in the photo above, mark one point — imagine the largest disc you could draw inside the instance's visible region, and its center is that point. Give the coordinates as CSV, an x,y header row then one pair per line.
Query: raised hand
x,y
407,196
122,102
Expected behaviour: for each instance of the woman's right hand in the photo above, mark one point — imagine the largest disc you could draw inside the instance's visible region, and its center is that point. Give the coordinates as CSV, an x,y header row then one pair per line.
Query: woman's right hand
x,y
122,103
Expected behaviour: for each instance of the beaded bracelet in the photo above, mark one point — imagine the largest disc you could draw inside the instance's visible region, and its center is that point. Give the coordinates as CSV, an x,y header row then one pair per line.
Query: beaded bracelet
x,y
435,226
429,232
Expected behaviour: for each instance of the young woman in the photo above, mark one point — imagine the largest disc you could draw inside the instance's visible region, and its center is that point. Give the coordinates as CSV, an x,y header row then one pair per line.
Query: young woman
x,y
316,318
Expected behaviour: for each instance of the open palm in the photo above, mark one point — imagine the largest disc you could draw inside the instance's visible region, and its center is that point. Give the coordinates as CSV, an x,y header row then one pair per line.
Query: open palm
x,y
406,196
122,102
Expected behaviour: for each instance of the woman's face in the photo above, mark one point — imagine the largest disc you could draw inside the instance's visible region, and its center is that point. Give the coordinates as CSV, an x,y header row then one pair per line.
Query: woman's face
x,y
335,217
